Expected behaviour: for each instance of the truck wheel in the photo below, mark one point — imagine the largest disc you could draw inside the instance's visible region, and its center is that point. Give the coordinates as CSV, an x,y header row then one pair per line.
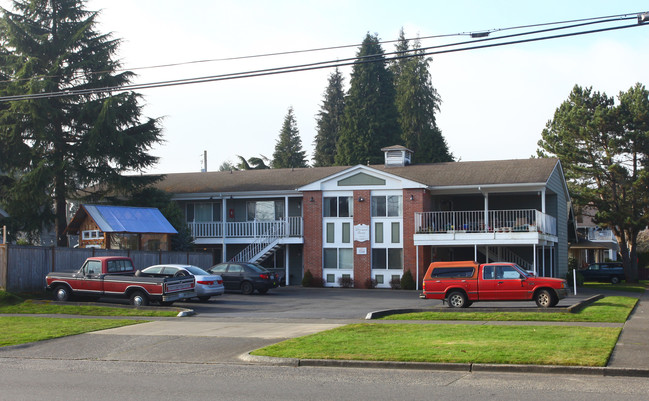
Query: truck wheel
x,y
615,280
62,293
544,299
457,299
247,288
139,298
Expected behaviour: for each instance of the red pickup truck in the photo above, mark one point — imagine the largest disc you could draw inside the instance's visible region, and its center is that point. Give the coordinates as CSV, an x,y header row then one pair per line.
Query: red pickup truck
x,y
114,276
462,283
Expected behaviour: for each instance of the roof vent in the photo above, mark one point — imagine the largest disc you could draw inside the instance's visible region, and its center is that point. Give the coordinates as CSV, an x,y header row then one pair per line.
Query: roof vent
x,y
397,156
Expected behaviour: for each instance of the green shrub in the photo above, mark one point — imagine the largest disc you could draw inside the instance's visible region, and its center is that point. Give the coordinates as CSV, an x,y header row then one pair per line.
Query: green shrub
x,y
580,278
407,282
307,279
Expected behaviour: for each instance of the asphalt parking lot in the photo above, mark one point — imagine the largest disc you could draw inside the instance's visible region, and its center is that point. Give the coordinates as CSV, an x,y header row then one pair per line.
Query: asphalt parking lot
x,y
331,303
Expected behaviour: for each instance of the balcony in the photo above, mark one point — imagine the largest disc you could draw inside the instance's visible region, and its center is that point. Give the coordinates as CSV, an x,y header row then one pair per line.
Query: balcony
x,y
601,235
293,227
478,226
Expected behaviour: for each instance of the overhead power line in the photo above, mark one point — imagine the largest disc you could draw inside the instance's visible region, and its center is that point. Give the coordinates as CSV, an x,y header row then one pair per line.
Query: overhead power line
x,y
424,51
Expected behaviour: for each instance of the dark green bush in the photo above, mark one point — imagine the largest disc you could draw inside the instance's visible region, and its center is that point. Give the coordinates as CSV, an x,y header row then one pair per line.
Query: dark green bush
x,y
307,279
407,282
370,283
580,278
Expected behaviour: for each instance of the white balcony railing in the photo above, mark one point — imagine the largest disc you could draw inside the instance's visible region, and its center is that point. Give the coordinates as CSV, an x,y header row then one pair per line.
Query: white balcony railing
x,y
293,227
477,221
601,235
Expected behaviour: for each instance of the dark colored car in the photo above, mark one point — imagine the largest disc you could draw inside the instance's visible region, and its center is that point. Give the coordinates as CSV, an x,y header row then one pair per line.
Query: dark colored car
x,y
604,271
245,277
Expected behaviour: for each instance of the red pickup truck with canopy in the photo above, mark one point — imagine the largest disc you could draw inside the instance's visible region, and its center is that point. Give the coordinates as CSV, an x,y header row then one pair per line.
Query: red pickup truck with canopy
x,y
462,283
114,276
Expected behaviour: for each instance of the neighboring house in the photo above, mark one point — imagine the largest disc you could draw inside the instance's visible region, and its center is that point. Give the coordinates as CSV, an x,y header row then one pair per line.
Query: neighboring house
x,y
593,243
375,222
121,227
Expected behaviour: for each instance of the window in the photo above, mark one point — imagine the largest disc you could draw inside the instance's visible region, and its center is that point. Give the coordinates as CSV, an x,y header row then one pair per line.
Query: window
x,y
92,267
122,265
457,272
346,232
396,233
390,258
331,234
265,210
338,258
203,212
386,206
378,232
91,234
338,206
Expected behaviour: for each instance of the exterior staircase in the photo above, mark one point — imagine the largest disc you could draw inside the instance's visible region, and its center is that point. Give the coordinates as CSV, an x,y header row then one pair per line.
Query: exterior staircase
x,y
507,255
260,249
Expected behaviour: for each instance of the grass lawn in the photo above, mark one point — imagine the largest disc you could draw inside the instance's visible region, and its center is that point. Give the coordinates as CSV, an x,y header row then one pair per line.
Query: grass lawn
x,y
543,345
10,303
609,310
26,329
640,287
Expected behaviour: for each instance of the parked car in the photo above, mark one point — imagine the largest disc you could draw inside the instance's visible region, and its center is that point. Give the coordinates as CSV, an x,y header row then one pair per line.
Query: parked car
x,y
207,284
246,277
604,271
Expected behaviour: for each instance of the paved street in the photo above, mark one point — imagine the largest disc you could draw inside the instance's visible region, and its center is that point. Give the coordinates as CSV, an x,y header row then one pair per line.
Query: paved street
x,y
202,354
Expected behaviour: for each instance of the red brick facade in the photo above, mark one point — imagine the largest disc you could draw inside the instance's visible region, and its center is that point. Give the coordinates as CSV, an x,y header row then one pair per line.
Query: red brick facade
x,y
312,209
362,262
414,201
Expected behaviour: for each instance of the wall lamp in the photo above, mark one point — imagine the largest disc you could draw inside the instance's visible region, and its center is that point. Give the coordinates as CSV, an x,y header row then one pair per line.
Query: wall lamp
x,y
361,199
312,200
412,197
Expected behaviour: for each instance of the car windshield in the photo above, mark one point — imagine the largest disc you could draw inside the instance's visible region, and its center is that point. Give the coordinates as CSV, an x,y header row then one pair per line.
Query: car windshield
x,y
196,271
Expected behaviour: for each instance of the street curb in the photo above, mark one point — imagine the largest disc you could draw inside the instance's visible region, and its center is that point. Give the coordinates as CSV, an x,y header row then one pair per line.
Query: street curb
x,y
449,367
569,309
184,312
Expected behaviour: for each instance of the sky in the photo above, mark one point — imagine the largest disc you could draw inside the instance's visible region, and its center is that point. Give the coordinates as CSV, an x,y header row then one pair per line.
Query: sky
x,y
495,101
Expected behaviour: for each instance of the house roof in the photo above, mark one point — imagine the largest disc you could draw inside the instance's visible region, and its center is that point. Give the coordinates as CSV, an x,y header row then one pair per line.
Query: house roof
x,y
122,219
503,172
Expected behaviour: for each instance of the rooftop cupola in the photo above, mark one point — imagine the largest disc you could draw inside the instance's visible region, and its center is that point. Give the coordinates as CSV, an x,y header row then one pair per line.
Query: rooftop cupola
x,y
397,156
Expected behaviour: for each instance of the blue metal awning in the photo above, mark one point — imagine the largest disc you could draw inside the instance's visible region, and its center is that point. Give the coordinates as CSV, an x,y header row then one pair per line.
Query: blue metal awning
x,y
125,219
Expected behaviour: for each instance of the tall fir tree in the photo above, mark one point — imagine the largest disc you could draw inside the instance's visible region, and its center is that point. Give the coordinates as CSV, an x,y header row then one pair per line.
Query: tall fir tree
x,y
370,121
329,121
417,102
604,150
288,148
54,146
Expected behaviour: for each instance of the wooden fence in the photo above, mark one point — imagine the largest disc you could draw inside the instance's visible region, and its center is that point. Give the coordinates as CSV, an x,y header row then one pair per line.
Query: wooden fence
x,y
23,268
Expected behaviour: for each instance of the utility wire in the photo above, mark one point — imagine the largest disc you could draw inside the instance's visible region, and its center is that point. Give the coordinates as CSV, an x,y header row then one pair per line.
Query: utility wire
x,y
601,19
308,67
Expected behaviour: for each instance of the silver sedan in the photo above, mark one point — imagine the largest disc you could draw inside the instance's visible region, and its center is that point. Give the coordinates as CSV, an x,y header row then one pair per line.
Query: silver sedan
x,y
207,284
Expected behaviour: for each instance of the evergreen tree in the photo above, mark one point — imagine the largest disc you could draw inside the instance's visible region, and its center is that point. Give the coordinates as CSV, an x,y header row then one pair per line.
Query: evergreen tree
x,y
370,120
604,150
417,102
329,121
288,148
54,146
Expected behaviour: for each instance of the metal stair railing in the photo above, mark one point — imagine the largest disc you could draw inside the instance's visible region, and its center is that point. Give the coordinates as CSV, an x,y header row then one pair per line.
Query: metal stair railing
x,y
510,256
257,246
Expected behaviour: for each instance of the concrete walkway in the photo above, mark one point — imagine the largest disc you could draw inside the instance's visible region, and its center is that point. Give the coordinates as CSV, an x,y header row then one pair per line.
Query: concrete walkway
x,y
632,349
